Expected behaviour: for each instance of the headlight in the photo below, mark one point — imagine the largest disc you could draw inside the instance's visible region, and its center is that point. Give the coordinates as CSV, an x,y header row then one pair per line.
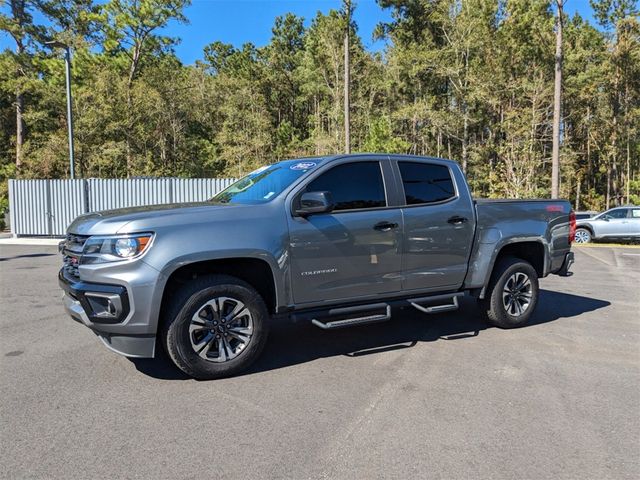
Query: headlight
x,y
114,248
127,247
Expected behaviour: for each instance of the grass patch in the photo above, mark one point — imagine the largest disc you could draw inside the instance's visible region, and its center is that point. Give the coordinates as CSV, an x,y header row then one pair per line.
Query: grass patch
x,y
595,245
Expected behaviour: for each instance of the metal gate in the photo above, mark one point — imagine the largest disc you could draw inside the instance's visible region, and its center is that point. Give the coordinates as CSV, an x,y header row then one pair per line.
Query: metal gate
x,y
47,207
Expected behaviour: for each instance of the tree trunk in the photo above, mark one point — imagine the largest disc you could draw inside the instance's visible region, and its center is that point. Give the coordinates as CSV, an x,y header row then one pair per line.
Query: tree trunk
x,y
557,103
18,13
132,74
129,127
347,81
608,199
614,161
626,126
616,113
589,167
19,129
465,140
628,168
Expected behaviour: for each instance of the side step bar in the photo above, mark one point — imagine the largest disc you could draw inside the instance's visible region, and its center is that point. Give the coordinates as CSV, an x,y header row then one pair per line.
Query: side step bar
x,y
350,322
448,307
433,304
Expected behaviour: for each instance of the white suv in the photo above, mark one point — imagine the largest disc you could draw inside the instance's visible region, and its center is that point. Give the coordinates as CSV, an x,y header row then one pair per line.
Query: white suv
x,y
617,223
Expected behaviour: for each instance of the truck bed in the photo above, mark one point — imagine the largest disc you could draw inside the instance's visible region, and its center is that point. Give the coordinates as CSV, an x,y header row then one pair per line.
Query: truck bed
x,y
541,223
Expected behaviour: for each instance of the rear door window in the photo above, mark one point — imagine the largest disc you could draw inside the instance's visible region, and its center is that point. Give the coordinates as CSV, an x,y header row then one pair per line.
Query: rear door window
x,y
353,186
426,183
617,213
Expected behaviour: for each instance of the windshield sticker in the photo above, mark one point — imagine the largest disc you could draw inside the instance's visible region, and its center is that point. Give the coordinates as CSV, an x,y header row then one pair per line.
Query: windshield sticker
x,y
303,166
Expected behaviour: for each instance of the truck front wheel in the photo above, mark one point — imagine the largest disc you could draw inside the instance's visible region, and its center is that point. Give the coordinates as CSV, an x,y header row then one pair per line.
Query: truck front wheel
x,y
215,326
512,293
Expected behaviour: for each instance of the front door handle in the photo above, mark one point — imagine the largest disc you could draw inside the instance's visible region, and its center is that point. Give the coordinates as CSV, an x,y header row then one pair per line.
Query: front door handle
x,y
456,220
385,226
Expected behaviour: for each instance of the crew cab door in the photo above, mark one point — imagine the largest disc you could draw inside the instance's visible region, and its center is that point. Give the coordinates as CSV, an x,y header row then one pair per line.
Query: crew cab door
x,y
439,223
354,250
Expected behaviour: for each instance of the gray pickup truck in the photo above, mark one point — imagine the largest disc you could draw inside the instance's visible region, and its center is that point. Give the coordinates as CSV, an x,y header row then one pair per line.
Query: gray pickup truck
x,y
337,241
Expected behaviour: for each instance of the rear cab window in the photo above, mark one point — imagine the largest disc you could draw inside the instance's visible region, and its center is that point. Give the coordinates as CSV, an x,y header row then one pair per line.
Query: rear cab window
x,y
426,183
353,186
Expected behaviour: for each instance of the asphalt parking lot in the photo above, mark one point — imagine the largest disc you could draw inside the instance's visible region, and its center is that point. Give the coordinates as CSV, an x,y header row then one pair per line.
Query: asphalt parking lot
x,y
421,396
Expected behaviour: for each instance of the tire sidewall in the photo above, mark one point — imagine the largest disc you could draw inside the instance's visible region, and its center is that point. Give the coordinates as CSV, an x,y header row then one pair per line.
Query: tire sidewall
x,y
179,344
503,318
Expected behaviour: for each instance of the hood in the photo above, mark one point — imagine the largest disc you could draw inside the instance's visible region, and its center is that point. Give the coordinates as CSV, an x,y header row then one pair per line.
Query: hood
x,y
110,222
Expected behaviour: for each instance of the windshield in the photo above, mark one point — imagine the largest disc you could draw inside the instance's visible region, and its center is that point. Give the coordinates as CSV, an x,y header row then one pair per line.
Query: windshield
x,y
265,183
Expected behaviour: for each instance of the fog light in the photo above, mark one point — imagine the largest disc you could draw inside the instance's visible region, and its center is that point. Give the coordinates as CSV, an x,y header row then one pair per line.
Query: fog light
x,y
104,305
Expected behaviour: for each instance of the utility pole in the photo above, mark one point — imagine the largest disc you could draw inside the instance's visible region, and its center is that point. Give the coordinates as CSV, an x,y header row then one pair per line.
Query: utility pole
x,y
557,107
67,62
347,81
19,18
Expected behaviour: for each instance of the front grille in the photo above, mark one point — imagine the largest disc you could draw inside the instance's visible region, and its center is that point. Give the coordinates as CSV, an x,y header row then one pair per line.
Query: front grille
x,y
71,252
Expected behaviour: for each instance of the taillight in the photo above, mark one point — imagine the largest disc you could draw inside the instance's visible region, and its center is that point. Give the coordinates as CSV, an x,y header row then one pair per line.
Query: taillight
x,y
572,226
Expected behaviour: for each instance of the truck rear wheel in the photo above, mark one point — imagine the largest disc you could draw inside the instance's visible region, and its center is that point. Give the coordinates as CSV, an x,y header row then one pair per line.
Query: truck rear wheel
x,y
215,326
512,294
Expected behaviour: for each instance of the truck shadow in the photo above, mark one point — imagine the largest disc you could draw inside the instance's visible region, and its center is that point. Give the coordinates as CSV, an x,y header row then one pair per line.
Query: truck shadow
x,y
27,255
293,343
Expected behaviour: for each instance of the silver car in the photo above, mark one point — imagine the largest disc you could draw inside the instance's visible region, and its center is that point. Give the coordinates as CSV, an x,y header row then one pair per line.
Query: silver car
x,y
615,224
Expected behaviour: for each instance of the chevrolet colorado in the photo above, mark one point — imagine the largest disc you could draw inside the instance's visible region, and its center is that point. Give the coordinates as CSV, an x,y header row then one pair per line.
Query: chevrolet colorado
x,y
337,241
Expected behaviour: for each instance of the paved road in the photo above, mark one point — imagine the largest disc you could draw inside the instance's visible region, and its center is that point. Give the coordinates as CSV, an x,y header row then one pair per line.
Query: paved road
x,y
421,396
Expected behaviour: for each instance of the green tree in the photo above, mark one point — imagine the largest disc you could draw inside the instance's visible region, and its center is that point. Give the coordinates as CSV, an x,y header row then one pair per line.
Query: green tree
x,y
381,138
470,80
619,18
131,31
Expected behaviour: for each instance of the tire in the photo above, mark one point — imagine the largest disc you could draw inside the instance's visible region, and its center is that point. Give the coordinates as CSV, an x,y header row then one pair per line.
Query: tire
x,y
215,326
583,236
505,305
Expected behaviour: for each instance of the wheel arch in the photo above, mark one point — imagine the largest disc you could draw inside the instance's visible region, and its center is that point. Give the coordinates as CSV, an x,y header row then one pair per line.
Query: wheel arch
x,y
257,272
532,251
586,226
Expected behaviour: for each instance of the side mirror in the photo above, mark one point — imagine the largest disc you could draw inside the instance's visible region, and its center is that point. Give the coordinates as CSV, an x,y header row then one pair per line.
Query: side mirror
x,y
314,202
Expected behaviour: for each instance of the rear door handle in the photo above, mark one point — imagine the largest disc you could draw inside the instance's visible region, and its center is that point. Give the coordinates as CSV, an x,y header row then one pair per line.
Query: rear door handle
x,y
385,226
456,220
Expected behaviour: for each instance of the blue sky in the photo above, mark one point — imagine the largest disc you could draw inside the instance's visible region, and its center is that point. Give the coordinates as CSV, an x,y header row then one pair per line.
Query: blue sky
x,y
240,21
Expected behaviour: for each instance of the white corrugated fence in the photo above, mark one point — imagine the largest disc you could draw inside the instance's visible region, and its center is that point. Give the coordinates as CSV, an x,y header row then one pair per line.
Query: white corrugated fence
x,y
47,207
